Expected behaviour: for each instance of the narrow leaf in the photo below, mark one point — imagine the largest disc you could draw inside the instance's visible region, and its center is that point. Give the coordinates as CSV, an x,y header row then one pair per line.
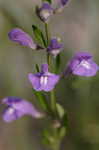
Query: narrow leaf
x,y
39,36
60,110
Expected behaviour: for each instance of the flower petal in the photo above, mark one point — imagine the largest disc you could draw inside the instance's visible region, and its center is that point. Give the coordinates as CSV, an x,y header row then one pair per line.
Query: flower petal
x,y
82,64
35,81
52,81
55,46
19,36
44,68
64,2
17,108
86,68
9,114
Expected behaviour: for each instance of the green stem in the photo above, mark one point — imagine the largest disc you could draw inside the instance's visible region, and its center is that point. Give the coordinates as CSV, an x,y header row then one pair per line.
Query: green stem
x,y
56,145
47,33
52,93
53,102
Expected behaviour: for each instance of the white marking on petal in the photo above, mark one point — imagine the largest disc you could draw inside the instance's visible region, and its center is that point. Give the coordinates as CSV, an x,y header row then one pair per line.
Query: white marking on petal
x,y
85,64
55,52
45,14
43,80
11,110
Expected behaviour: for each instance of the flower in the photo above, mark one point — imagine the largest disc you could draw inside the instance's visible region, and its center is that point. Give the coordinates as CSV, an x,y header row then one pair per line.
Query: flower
x,y
55,46
19,36
17,107
62,4
43,80
82,64
45,11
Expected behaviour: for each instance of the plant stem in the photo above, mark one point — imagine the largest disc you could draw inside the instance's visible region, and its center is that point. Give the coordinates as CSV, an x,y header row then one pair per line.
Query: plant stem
x,y
53,102
56,145
47,33
52,93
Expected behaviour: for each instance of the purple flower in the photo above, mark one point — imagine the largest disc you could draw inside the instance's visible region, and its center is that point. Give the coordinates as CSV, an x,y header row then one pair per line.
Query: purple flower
x,y
55,46
17,107
82,64
62,4
45,11
19,36
43,80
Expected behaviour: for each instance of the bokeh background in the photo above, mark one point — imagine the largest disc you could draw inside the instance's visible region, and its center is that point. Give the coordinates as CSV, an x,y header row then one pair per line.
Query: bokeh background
x,y
78,26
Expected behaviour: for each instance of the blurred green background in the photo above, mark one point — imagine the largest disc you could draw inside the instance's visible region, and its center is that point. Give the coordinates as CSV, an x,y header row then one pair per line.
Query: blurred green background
x,y
78,26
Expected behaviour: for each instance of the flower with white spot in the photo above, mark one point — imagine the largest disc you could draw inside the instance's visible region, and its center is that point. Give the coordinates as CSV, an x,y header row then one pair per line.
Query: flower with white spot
x,y
43,80
17,107
55,46
45,11
82,64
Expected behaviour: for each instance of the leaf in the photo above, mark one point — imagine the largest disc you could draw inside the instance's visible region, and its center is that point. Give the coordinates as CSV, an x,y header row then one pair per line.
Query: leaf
x,y
62,132
39,36
42,100
37,68
60,110
49,1
58,62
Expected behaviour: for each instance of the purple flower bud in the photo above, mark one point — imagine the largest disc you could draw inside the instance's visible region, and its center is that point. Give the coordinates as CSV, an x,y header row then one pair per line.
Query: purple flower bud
x,y
19,36
43,80
45,12
17,107
82,64
62,4
55,46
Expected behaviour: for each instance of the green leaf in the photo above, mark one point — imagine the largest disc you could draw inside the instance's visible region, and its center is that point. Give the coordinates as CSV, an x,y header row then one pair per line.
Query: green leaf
x,y
60,110
39,36
49,1
57,63
62,132
42,100
37,68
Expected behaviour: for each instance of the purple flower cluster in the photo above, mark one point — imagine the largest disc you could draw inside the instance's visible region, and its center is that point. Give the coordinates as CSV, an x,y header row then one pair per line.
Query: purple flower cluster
x,y
81,64
21,37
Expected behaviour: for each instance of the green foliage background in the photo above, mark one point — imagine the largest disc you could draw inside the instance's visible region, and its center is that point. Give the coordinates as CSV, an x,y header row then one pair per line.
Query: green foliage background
x,y
78,26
